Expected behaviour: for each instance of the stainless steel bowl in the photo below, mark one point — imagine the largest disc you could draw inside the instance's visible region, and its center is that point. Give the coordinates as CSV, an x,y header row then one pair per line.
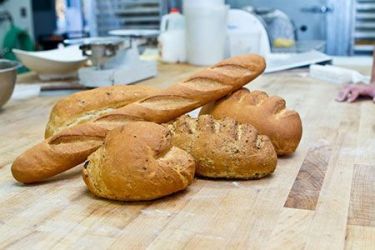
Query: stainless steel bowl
x,y
8,75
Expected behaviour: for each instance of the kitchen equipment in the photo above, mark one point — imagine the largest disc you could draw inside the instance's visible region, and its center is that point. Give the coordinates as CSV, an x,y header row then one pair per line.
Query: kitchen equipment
x,y
205,32
54,64
8,75
115,60
146,33
364,28
279,26
129,14
142,37
282,31
172,46
246,34
100,50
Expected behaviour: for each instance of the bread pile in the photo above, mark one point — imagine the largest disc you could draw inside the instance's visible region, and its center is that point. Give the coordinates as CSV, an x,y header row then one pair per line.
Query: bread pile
x,y
137,144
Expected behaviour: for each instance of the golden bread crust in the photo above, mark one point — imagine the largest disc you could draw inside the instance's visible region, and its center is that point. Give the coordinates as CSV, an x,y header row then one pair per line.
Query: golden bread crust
x,y
138,162
208,85
268,114
224,148
88,105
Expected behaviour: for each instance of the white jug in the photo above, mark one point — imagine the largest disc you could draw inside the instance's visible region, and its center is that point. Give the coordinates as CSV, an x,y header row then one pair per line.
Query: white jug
x,y
172,21
172,46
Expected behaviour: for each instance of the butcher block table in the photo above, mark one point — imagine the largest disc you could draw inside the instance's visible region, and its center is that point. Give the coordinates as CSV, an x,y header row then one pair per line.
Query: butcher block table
x,y
321,197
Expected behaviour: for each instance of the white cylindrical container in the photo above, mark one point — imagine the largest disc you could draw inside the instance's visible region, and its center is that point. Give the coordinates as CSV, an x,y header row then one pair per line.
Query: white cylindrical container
x,y
172,46
199,3
172,21
205,33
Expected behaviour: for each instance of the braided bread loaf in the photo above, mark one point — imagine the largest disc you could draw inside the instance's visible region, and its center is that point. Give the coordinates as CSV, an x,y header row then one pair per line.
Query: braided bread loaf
x,y
146,167
71,146
267,114
88,105
224,148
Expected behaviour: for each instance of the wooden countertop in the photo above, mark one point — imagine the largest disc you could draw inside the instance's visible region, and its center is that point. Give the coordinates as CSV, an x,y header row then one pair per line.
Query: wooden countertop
x,y
322,197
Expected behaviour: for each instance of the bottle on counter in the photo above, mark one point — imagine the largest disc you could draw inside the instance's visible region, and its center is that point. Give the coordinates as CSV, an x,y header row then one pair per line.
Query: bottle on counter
x,y
172,46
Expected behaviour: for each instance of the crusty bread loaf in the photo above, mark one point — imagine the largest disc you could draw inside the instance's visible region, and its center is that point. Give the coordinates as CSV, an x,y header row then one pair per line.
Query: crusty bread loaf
x,y
88,105
203,87
224,148
138,162
267,114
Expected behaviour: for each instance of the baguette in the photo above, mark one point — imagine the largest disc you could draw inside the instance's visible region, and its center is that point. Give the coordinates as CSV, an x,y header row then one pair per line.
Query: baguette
x,y
88,105
59,152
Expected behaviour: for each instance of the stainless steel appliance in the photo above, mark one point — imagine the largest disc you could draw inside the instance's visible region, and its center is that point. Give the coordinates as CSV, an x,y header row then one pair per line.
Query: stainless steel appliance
x,y
325,20
115,60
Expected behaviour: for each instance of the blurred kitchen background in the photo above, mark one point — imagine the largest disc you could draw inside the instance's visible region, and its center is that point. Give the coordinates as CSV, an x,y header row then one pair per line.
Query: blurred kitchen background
x,y
105,42
346,27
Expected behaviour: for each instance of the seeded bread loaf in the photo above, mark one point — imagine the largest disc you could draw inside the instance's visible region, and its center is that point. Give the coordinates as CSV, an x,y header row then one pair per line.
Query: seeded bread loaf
x,y
224,148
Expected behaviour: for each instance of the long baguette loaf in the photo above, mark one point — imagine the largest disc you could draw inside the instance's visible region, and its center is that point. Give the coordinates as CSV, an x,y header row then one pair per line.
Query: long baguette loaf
x,y
88,105
70,147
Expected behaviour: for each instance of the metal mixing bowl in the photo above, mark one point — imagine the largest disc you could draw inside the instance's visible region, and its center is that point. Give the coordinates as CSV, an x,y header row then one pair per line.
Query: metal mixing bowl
x,y
8,75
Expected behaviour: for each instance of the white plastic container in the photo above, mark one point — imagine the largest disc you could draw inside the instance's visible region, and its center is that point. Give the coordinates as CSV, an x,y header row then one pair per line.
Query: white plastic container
x,y
172,46
206,31
199,3
172,21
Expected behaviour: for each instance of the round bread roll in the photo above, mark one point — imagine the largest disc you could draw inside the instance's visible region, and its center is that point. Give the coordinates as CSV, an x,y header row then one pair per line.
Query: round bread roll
x,y
267,114
224,148
138,162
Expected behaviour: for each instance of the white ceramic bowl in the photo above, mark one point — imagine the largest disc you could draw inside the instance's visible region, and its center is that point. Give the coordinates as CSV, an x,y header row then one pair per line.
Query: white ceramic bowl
x,y
53,64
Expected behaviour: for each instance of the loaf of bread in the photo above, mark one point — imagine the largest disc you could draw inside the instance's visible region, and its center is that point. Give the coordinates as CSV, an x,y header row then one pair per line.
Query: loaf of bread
x,y
224,148
138,162
88,105
67,148
267,114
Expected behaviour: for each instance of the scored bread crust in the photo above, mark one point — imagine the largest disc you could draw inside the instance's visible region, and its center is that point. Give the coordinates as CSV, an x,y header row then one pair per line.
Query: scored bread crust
x,y
208,85
268,114
224,148
88,105
146,167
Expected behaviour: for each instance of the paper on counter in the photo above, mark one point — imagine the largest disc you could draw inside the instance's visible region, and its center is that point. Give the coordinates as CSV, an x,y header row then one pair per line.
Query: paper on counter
x,y
25,91
337,75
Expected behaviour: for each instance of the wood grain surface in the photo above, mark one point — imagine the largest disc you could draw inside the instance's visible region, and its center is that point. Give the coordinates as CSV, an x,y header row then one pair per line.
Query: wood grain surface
x,y
306,188
362,198
331,176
